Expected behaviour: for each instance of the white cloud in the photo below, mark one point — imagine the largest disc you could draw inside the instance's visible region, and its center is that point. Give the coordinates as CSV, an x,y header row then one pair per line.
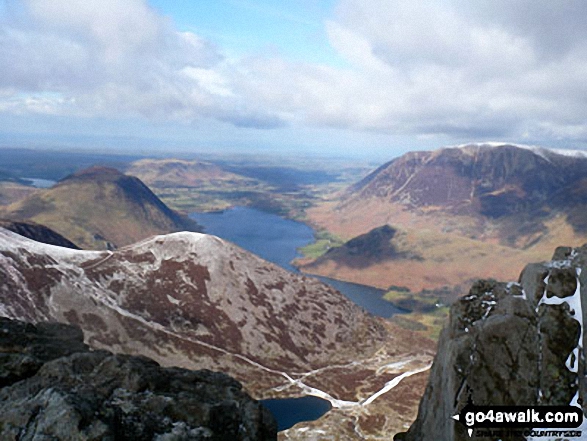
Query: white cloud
x,y
467,69
113,58
462,68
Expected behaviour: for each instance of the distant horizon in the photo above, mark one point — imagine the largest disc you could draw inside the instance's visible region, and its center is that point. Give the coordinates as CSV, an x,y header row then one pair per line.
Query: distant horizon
x,y
369,79
145,148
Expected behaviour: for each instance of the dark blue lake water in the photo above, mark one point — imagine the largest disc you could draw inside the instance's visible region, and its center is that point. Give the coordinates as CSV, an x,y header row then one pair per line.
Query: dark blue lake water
x,y
277,239
289,411
267,235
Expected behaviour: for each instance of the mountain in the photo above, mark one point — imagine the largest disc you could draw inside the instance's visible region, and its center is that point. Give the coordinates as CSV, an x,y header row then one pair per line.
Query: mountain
x,y
11,192
37,232
53,387
469,211
201,186
378,245
195,301
510,344
483,181
100,208
162,173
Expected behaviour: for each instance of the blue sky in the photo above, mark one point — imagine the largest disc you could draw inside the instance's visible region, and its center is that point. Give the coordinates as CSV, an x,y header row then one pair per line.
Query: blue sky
x,y
355,77
294,29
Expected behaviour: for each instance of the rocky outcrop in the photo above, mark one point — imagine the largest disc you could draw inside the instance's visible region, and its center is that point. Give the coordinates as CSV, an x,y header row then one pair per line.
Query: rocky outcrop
x,y
510,344
53,387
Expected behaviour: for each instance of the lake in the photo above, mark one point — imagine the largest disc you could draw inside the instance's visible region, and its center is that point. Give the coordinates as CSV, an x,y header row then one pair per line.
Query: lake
x,y
289,411
41,183
277,240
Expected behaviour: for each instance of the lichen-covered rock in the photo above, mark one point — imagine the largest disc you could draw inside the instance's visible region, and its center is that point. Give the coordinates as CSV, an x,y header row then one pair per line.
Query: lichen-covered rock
x,y
510,344
53,387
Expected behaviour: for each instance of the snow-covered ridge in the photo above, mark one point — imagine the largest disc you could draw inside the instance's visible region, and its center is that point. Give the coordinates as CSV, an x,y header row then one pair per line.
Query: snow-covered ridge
x,y
540,151
10,241
572,153
185,240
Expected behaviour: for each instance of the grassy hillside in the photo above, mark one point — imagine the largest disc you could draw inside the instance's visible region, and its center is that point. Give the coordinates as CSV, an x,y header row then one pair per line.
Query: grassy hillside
x,y
100,208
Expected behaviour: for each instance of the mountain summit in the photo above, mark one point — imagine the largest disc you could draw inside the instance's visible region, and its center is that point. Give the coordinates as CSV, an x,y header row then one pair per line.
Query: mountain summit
x,y
489,180
100,208
468,211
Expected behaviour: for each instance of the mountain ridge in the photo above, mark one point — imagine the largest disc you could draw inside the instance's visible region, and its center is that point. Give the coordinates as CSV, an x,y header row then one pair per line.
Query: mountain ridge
x,y
487,206
195,301
100,208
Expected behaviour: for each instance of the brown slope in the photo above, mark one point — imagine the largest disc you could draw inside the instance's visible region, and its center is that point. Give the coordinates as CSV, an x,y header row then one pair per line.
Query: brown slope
x,y
100,208
195,301
11,192
468,212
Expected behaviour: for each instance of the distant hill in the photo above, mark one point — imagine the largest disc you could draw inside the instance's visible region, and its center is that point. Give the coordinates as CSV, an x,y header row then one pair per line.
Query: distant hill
x,y
11,192
476,210
100,208
378,245
181,173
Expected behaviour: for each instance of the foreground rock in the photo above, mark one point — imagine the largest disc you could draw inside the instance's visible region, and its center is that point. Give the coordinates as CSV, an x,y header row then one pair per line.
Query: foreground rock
x,y
53,387
510,344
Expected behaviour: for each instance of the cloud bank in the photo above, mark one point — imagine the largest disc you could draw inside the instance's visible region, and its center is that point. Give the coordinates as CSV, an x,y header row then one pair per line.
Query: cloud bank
x,y
463,69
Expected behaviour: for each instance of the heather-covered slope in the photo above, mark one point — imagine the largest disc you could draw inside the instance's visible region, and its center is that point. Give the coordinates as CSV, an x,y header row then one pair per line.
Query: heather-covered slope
x,y
100,208
195,301
491,181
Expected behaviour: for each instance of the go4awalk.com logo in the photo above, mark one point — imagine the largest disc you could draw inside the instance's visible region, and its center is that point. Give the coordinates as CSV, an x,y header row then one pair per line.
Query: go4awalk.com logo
x,y
524,418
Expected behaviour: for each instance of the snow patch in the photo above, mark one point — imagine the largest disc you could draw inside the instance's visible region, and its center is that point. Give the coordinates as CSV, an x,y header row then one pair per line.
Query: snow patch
x,y
543,152
393,383
13,242
571,153
559,264
173,300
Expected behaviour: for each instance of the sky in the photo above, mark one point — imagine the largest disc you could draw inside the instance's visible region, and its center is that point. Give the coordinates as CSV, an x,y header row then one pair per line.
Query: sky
x,y
334,77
